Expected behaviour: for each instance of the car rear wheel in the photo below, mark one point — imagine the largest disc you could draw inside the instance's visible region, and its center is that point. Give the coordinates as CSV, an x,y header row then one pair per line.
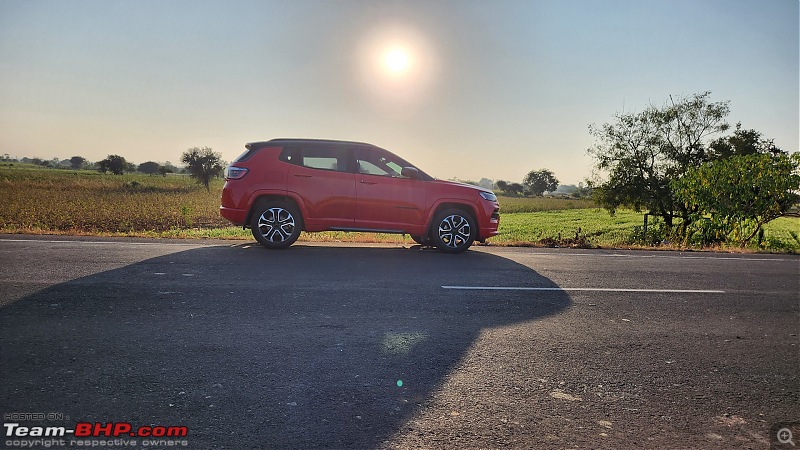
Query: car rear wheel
x,y
276,224
454,231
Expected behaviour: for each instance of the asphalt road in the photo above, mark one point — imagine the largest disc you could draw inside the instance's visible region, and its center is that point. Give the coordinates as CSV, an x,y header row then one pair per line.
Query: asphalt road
x,y
384,346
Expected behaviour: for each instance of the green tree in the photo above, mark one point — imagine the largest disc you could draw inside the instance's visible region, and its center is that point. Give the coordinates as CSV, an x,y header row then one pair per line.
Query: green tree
x,y
741,143
40,162
742,193
113,163
169,168
584,190
149,167
77,162
502,185
203,164
537,182
640,153
515,189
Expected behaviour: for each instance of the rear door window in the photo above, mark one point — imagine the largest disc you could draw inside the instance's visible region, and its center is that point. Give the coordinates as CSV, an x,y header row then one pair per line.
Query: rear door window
x,y
322,158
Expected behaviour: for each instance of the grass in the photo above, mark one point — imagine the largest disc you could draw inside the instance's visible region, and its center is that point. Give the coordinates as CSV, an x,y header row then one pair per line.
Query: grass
x,y
595,227
90,202
46,201
783,234
592,226
510,205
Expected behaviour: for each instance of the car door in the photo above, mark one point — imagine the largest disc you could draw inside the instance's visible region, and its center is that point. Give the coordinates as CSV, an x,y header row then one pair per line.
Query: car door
x,y
386,200
321,177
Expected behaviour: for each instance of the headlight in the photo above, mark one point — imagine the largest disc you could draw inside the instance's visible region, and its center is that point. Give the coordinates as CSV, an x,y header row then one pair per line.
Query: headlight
x,y
234,173
488,196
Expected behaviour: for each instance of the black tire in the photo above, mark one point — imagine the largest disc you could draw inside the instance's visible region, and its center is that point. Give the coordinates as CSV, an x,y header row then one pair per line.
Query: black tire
x,y
424,241
453,230
276,224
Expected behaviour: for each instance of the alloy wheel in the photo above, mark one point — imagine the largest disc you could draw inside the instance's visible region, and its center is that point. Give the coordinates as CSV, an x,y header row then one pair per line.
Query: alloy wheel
x,y
454,231
276,224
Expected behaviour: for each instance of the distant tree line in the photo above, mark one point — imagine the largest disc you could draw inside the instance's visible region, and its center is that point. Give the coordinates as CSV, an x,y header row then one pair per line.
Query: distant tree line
x,y
202,164
540,182
113,164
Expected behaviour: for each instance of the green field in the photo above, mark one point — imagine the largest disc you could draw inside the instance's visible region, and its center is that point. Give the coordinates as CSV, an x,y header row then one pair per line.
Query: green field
x,y
595,227
47,201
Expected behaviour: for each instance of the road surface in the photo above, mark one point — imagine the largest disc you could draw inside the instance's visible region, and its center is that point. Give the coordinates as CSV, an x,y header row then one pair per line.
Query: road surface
x,y
359,346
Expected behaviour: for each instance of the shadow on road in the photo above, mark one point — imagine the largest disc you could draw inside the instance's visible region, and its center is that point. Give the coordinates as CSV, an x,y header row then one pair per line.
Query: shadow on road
x,y
248,348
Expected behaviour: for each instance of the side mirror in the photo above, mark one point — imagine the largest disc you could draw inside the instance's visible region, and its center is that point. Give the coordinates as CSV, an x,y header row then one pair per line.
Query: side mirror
x,y
411,172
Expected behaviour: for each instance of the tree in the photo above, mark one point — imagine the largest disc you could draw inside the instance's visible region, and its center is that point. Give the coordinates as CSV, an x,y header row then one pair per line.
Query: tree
x,y
502,185
77,162
113,163
515,189
170,168
149,167
742,193
741,143
584,190
537,182
203,164
486,183
640,153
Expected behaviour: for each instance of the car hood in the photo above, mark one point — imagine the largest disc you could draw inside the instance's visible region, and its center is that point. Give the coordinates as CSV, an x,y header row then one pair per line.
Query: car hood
x,y
463,185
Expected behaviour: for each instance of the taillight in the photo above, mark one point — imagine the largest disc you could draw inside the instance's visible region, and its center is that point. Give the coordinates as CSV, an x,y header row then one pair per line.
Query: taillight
x,y
234,173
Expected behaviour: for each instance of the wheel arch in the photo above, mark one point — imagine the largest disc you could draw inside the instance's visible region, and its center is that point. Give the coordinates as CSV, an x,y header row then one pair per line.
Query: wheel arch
x,y
272,197
447,239
466,207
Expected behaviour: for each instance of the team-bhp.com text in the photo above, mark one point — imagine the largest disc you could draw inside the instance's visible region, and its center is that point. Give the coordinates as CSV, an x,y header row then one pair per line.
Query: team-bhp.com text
x,y
37,436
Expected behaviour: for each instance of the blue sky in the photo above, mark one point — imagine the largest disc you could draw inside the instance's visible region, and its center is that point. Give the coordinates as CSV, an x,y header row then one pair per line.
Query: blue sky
x,y
491,89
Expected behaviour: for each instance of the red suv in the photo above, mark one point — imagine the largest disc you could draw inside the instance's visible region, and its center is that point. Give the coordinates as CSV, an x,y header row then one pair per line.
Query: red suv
x,y
281,187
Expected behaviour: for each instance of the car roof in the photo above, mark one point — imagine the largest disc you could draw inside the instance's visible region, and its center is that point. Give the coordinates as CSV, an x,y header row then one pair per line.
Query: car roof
x,y
302,141
284,142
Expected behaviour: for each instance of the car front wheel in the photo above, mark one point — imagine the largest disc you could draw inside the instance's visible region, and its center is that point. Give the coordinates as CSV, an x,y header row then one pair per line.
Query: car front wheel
x,y
454,231
276,224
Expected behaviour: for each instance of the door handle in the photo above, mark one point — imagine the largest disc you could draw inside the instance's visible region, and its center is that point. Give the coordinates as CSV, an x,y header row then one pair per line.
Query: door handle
x,y
368,182
302,175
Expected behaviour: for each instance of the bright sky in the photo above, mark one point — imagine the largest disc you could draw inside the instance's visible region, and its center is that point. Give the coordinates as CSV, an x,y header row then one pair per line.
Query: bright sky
x,y
465,89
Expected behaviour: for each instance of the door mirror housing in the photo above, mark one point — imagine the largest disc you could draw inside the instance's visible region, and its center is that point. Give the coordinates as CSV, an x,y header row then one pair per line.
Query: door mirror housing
x,y
411,172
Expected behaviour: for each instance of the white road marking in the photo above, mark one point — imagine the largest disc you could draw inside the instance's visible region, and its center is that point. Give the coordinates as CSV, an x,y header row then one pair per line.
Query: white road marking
x,y
620,255
517,288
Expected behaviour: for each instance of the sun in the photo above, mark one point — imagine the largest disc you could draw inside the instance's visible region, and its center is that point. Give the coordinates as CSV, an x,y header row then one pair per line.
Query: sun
x,y
397,65
396,61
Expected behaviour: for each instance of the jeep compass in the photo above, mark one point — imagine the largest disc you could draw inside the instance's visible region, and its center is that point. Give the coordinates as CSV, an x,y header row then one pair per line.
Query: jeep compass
x,y
281,187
